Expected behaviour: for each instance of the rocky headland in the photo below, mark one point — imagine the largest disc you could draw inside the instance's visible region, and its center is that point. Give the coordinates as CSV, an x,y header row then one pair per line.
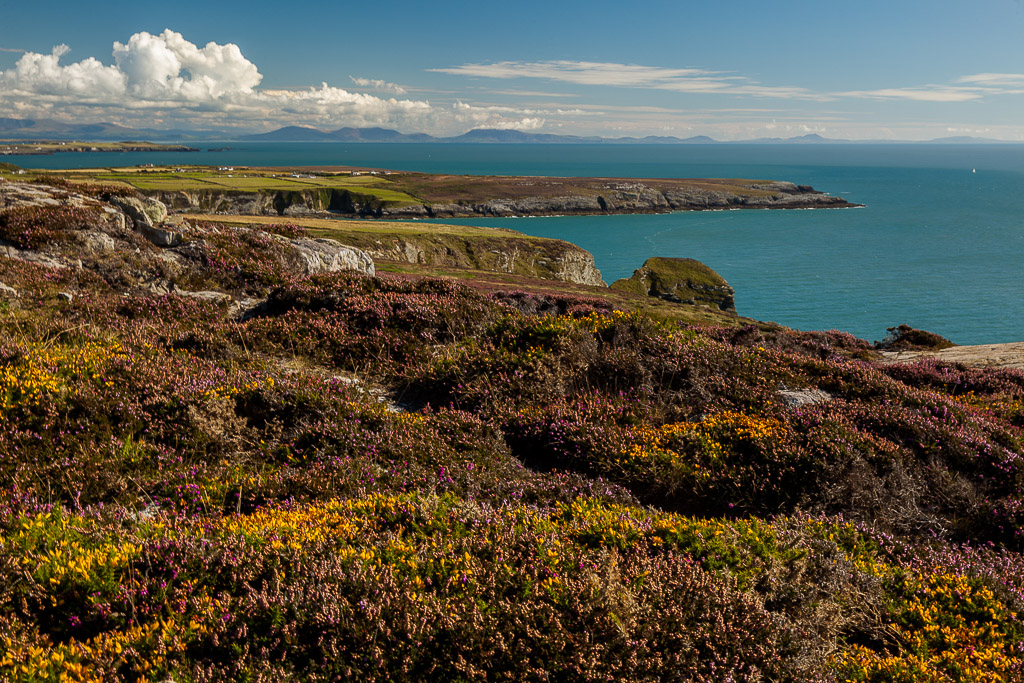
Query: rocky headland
x,y
437,196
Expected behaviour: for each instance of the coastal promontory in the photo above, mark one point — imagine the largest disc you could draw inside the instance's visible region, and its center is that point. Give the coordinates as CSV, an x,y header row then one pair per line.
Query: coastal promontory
x,y
381,193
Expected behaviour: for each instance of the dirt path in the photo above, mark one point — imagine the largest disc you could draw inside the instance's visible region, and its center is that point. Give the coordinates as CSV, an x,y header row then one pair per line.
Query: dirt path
x,y
983,355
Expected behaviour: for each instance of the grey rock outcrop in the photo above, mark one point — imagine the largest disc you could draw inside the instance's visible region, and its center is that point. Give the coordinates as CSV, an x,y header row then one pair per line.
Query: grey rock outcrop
x,y
161,237
573,266
503,251
299,256
28,256
95,241
119,241
323,255
26,194
798,398
155,210
148,216
134,208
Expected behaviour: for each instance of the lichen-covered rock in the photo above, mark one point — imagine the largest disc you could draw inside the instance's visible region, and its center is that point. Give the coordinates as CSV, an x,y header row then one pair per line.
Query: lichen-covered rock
x,y
95,241
154,210
135,209
29,256
681,280
25,194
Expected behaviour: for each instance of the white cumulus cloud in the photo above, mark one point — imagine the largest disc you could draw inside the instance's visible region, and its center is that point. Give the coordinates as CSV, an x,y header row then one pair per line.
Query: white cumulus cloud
x,y
169,67
39,74
167,79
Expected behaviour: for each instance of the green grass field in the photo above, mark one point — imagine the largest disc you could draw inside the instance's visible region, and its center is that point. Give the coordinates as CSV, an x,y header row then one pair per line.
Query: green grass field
x,y
197,178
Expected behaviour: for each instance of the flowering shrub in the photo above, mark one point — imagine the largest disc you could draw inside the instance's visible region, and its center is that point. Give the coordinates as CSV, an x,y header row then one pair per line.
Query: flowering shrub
x,y
405,479
35,227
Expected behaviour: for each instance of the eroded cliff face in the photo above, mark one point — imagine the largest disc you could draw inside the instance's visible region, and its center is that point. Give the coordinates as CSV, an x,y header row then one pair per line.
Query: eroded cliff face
x,y
531,257
316,202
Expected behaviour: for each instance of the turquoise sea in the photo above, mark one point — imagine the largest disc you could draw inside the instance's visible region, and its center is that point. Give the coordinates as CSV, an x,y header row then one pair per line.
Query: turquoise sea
x,y
939,244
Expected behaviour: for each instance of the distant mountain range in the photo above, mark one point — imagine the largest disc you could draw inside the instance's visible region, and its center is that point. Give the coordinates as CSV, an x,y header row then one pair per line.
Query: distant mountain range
x,y
491,136
49,129
303,134
483,135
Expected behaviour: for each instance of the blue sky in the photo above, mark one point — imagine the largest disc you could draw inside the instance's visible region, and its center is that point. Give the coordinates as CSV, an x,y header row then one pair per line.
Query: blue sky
x,y
731,69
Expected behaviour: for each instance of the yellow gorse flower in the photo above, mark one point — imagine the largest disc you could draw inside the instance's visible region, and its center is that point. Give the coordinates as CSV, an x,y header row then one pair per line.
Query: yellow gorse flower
x,y
44,371
715,433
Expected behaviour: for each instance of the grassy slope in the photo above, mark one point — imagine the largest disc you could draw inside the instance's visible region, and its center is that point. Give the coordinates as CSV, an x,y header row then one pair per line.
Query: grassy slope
x,y
197,179
328,227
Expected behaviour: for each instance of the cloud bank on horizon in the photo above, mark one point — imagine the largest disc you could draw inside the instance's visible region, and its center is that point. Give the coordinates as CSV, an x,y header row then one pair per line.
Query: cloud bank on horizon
x,y
167,81
167,78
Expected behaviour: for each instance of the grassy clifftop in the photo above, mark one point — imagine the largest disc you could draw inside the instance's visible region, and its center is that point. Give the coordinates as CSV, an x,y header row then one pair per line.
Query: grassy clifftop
x,y
410,478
